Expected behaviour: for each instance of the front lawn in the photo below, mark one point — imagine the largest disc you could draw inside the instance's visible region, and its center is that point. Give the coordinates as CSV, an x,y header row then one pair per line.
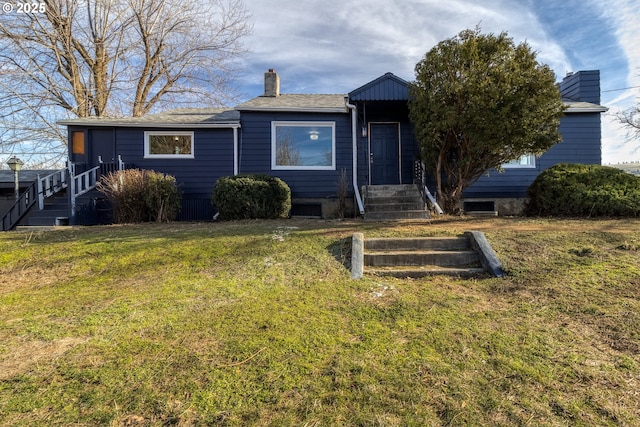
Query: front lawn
x,y
258,323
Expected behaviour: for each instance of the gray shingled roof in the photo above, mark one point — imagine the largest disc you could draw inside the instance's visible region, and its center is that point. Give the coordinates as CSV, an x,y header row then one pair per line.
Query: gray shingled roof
x,y
583,107
300,102
224,117
192,117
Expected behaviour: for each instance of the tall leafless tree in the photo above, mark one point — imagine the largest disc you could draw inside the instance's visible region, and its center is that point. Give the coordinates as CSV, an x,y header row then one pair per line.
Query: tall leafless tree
x,y
630,118
82,58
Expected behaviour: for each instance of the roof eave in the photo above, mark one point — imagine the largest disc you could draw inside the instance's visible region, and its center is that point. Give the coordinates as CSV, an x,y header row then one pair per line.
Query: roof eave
x,y
295,109
599,109
229,125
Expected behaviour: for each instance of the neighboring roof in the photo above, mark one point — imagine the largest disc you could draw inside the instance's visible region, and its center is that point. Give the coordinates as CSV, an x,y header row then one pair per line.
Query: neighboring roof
x,y
24,176
583,107
308,103
180,117
387,87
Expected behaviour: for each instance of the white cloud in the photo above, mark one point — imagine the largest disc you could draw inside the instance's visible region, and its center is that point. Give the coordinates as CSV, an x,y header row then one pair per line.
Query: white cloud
x,y
339,46
333,46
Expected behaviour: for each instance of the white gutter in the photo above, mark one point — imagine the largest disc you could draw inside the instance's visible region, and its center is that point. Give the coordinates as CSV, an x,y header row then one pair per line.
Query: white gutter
x,y
294,109
354,137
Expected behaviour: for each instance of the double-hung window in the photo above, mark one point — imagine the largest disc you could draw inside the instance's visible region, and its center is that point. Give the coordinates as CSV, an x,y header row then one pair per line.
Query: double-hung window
x,y
526,161
168,145
303,145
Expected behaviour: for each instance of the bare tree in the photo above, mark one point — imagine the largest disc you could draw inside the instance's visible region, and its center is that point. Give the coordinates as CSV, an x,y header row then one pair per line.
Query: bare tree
x,y
286,153
81,58
630,118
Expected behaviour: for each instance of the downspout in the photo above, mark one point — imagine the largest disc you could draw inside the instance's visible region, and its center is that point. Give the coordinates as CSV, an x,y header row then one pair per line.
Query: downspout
x,y
235,150
354,137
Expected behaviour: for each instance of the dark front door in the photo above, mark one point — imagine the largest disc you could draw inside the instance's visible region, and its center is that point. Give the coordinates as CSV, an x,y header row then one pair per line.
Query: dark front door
x,y
384,153
102,146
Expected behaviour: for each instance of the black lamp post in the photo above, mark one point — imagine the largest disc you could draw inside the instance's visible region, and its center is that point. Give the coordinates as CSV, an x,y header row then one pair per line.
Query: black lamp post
x,y
15,164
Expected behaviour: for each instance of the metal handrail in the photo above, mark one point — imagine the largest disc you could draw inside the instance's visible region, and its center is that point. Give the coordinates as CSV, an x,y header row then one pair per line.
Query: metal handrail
x,y
19,208
420,179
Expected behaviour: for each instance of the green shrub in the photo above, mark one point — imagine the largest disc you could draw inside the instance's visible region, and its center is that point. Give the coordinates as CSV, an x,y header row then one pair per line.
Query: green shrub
x,y
162,197
584,191
141,195
251,196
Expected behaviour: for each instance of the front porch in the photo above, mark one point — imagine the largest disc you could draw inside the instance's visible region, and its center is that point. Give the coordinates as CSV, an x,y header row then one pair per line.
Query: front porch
x,y
47,197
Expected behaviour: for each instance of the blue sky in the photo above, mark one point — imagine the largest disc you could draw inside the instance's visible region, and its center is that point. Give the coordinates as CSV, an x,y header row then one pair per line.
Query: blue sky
x,y
335,46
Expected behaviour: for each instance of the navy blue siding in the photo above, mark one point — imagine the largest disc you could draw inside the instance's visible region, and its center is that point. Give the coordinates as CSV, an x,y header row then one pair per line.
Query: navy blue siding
x,y
582,86
410,151
255,152
213,152
386,112
382,100
580,144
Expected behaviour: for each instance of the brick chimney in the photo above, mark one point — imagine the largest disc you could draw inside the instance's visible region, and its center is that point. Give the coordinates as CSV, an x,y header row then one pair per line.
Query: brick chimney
x,y
271,83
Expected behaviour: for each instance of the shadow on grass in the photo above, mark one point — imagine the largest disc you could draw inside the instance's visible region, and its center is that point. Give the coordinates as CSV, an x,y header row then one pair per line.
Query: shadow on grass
x,y
341,251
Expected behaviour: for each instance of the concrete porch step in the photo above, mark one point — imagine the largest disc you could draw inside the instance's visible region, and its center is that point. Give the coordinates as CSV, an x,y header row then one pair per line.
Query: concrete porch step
x,y
452,243
395,215
415,272
464,256
389,190
407,198
400,206
447,258
393,202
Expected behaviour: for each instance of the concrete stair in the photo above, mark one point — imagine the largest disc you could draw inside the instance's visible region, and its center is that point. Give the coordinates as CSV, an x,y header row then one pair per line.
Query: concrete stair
x,y
465,256
393,202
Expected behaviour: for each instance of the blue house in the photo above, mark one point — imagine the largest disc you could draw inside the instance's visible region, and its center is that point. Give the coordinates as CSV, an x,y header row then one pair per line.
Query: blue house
x,y
314,143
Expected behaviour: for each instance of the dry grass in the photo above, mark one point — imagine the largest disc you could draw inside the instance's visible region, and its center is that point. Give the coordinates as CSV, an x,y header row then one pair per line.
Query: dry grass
x,y
258,323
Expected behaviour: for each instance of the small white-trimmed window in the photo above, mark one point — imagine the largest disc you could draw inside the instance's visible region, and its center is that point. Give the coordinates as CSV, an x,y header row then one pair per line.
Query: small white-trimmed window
x,y
303,145
526,161
168,145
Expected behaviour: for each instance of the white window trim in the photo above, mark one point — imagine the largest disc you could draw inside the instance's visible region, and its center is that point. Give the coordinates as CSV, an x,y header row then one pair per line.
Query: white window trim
x,y
517,166
148,155
274,125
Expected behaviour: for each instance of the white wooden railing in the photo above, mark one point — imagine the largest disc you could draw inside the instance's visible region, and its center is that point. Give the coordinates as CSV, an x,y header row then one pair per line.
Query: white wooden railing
x,y
50,185
86,181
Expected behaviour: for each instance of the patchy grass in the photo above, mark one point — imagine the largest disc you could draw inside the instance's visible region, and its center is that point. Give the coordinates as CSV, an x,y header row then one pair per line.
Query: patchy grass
x,y
258,323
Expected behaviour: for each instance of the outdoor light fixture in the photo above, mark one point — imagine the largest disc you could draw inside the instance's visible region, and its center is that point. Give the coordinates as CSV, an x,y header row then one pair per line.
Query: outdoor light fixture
x,y
15,164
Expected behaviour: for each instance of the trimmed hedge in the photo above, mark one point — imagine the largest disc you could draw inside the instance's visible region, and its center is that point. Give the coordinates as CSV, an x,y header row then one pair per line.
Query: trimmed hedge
x,y
251,196
584,191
